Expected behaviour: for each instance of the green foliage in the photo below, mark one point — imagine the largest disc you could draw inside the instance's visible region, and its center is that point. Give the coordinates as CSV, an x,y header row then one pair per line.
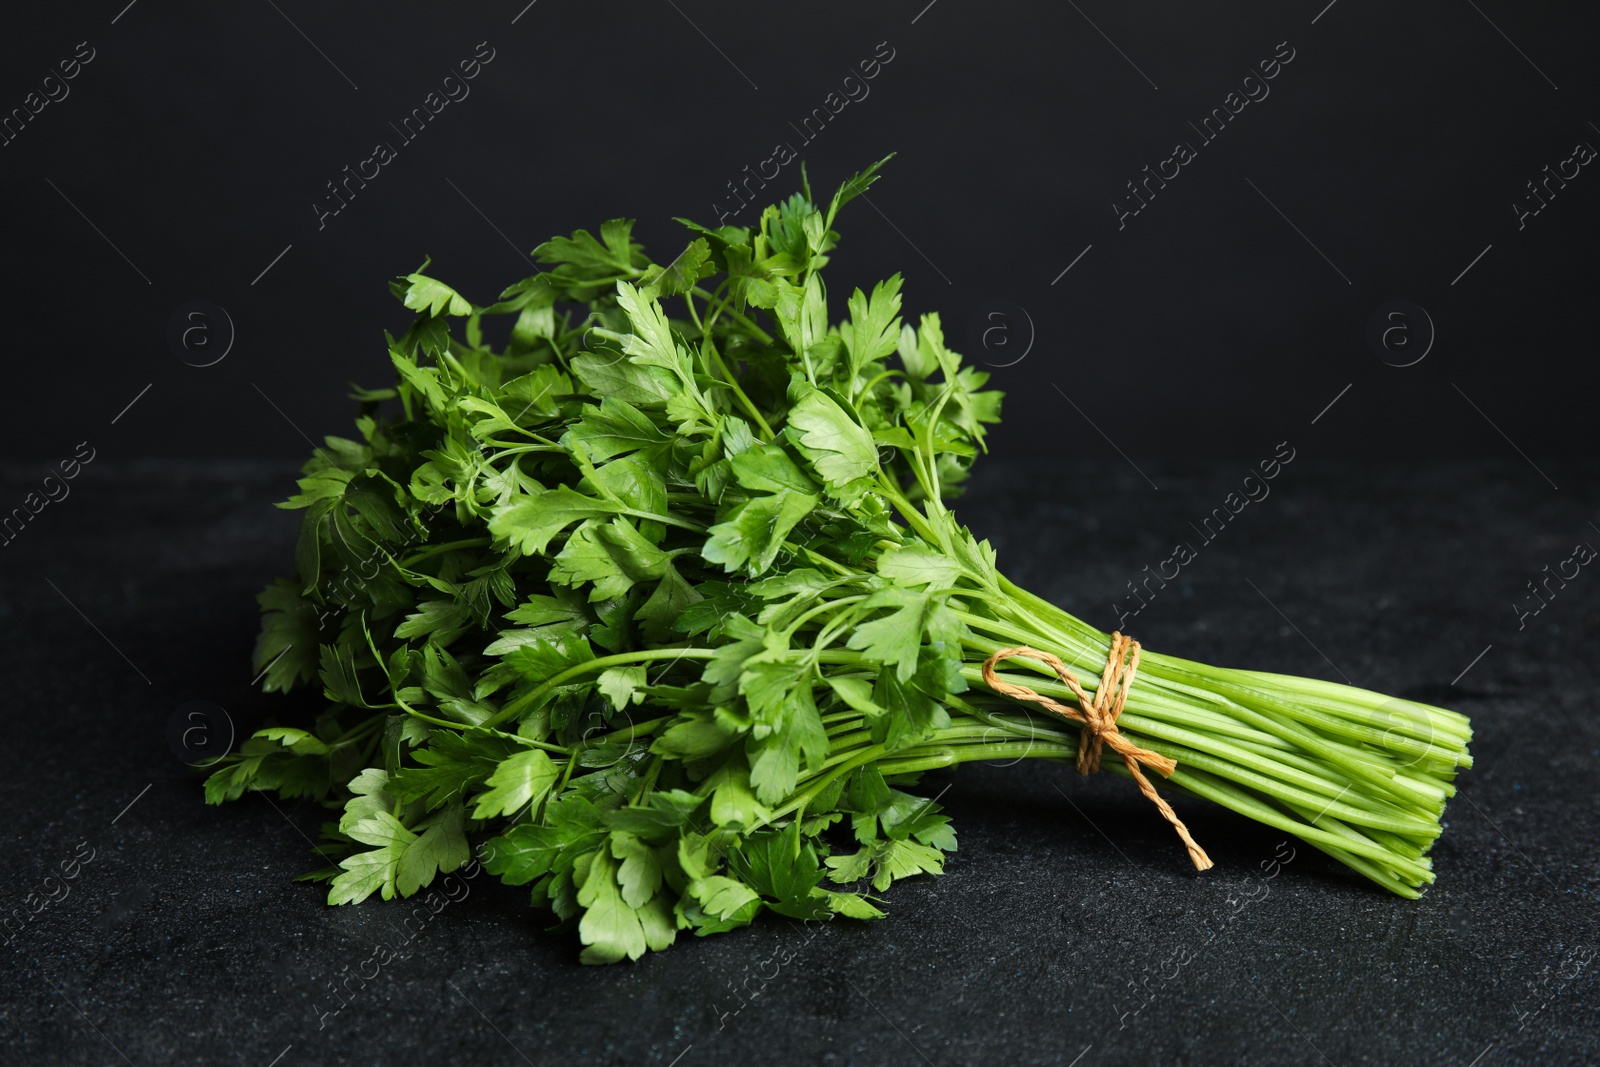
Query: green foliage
x,y
659,598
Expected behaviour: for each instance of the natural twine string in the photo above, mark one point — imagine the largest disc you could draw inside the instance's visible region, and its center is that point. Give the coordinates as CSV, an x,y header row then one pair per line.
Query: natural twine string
x,y
1099,718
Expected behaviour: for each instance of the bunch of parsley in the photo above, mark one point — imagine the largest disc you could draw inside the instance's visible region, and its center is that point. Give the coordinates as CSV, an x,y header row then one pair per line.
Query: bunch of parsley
x,y
659,597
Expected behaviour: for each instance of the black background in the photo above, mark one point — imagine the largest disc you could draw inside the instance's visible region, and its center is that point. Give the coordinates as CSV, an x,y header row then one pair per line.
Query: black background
x,y
1174,352
1396,141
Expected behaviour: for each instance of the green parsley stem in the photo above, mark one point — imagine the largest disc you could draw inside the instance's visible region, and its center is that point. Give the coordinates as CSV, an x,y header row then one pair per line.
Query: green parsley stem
x,y
627,733
448,546
722,306
516,705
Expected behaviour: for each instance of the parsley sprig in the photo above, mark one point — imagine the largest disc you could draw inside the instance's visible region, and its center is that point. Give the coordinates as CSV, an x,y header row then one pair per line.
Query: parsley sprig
x,y
646,574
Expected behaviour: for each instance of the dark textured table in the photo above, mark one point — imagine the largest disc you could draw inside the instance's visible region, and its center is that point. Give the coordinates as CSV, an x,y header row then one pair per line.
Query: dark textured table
x,y
1068,929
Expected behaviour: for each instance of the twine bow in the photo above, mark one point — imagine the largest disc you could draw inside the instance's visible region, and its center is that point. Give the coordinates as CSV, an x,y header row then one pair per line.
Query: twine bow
x,y
1098,714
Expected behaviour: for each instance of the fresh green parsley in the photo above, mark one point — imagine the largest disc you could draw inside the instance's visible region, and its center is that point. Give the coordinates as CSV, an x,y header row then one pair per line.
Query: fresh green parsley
x,y
644,575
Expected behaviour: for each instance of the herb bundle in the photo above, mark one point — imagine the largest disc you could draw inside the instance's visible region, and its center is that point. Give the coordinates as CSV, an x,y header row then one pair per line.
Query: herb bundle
x,y
659,596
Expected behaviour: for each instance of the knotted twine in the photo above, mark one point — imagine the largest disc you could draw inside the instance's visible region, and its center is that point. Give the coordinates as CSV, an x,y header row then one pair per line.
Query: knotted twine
x,y
1099,718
